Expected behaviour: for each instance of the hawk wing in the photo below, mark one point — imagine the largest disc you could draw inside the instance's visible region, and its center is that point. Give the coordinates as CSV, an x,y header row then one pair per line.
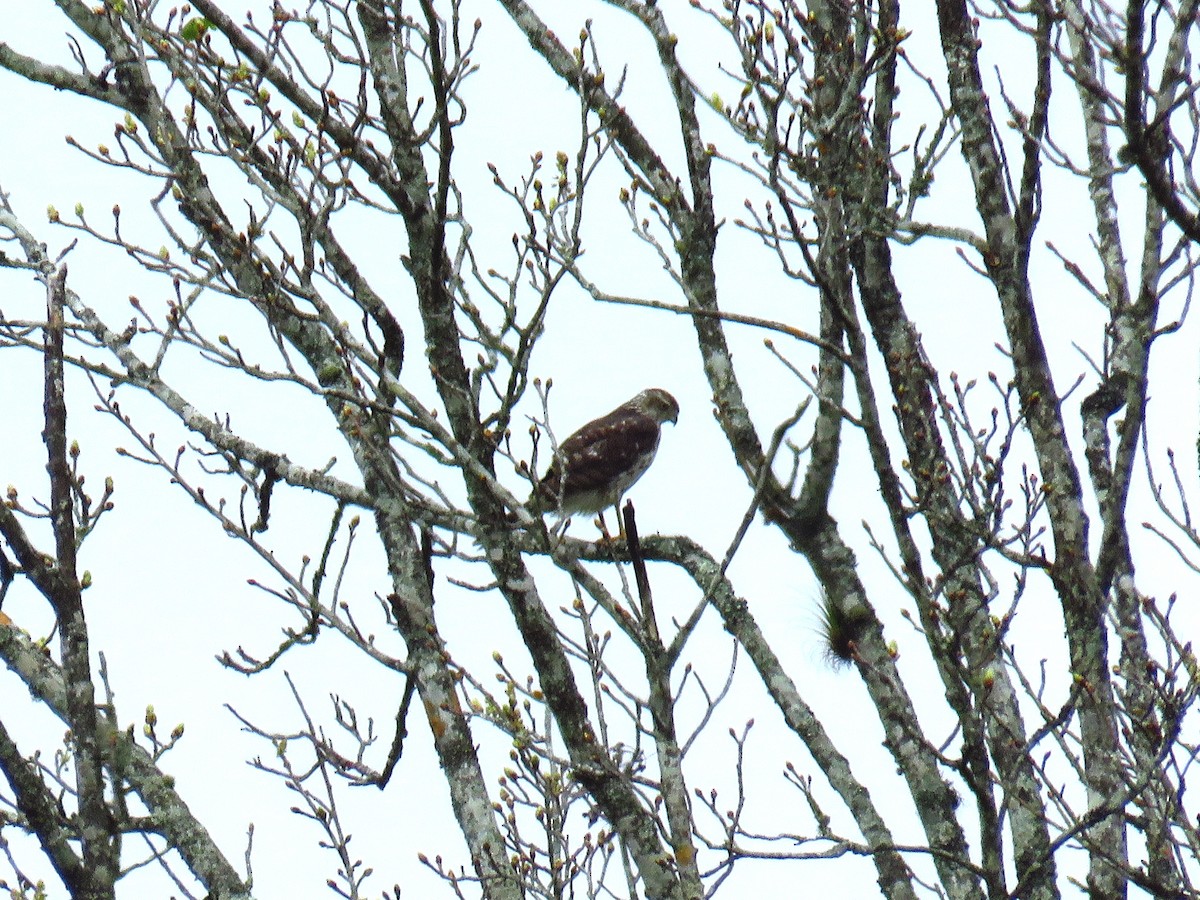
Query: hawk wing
x,y
601,460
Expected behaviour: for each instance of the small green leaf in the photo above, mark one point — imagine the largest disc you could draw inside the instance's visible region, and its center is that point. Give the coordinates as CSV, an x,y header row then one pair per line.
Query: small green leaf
x,y
193,29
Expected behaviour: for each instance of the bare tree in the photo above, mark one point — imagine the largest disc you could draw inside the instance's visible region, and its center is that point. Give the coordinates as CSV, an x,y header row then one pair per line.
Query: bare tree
x,y
1000,499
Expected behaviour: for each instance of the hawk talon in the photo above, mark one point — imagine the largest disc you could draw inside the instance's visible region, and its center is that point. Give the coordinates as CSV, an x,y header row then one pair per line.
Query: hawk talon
x,y
606,537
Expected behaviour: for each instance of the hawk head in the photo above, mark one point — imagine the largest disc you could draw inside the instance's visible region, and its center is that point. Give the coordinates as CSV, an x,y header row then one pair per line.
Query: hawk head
x,y
597,464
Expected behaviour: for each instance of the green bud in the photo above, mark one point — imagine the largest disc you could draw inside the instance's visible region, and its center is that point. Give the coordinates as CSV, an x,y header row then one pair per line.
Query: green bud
x,y
329,373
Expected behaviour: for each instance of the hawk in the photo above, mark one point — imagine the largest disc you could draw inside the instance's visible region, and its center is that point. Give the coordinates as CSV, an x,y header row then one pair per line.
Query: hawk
x,y
597,464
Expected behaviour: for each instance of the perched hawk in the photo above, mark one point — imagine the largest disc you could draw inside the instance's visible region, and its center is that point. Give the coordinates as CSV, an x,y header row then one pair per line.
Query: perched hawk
x,y
596,465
